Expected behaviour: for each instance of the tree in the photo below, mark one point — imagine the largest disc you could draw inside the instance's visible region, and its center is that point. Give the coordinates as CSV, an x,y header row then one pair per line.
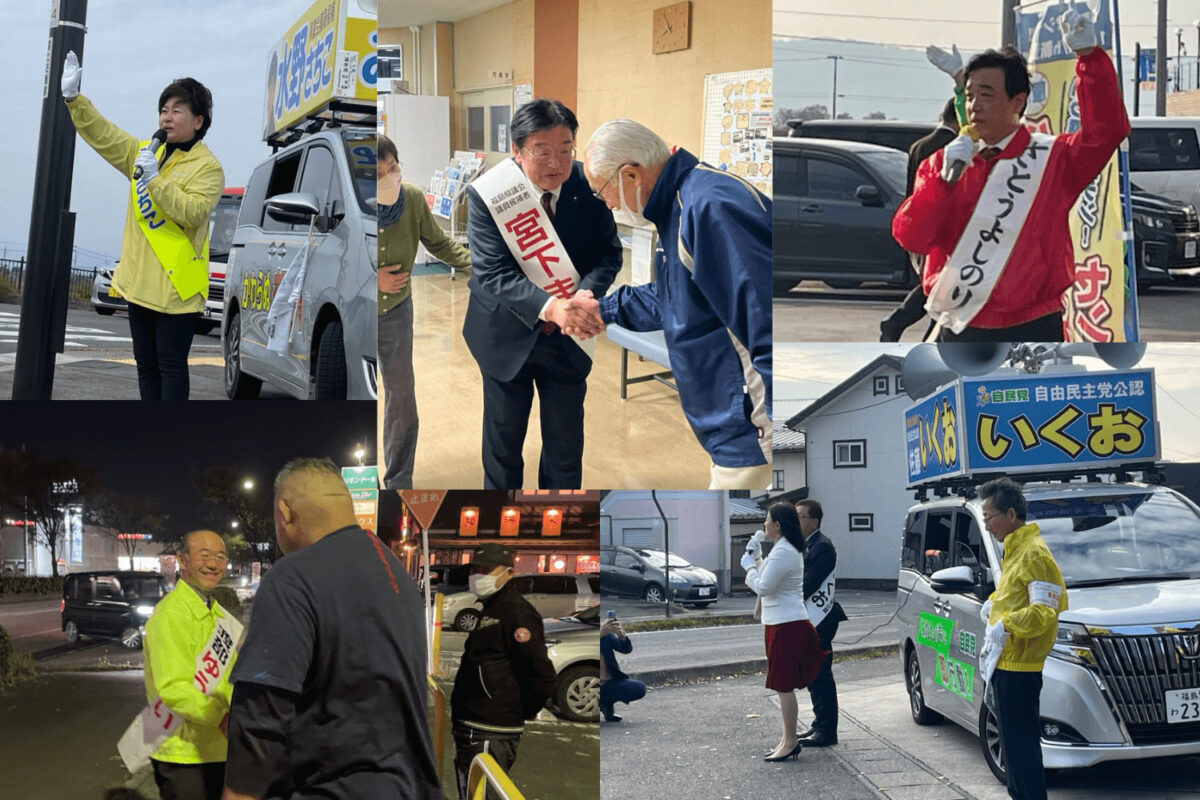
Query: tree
x,y
45,488
782,115
237,549
222,486
876,115
127,514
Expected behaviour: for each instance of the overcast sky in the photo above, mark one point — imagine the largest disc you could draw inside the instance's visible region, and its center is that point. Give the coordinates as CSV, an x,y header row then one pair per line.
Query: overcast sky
x,y
804,372
133,49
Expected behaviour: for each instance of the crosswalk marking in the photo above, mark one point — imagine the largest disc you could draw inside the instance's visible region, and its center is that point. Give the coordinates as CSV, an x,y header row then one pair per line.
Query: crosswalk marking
x,y
76,336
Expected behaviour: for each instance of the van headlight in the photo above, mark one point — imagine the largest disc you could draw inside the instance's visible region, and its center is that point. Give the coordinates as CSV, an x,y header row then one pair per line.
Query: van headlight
x,y
144,611
1150,221
1073,643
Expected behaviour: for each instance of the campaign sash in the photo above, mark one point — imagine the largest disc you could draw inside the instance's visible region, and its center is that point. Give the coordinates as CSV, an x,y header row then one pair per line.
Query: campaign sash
x,y
156,723
986,244
530,237
187,271
820,603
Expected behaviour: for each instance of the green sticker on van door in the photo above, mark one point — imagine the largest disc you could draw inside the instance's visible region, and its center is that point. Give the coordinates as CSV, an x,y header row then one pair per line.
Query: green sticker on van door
x,y
936,633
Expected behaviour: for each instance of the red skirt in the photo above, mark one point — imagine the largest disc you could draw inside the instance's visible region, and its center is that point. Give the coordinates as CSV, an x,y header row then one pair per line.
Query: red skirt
x,y
794,655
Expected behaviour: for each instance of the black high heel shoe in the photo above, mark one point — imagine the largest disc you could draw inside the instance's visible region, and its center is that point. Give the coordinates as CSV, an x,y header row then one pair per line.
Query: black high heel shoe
x,y
793,753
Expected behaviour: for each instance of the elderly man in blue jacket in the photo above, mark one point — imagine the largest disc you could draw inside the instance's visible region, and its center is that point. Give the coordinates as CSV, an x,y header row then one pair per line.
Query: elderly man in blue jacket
x,y
711,295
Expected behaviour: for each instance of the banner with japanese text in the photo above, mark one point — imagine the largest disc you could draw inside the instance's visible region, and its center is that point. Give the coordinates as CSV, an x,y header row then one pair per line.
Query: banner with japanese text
x,y
931,437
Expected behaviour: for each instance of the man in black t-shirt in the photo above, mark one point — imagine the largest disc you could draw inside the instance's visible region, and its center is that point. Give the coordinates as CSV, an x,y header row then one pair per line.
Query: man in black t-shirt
x,y
329,687
505,676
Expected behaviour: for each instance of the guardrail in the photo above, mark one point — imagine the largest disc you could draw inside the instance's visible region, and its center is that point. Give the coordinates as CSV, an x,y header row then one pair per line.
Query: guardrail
x,y
486,773
80,286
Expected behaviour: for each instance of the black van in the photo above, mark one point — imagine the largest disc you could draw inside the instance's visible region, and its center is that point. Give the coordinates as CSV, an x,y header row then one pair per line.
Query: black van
x,y
110,604
883,132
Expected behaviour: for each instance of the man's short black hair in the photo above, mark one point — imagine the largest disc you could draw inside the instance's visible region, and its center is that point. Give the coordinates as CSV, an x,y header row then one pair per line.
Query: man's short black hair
x,y
812,508
1005,493
194,93
541,115
950,115
1016,71
386,147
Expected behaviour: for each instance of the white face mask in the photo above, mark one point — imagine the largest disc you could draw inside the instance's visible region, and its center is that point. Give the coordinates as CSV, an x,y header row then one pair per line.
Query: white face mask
x,y
626,216
483,586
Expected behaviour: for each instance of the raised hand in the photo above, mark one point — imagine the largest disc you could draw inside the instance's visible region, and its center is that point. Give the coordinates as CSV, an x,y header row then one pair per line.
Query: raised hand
x,y
950,63
1078,30
70,76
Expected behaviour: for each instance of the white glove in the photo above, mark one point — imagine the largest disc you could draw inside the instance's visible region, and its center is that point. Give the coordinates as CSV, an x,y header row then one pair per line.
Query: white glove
x,y
70,76
748,562
961,149
949,63
1077,29
986,611
149,164
995,636
754,546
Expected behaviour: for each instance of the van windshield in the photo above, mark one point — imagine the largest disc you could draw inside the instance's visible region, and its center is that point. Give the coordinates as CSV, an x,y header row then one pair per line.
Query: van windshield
x,y
657,558
1132,536
360,154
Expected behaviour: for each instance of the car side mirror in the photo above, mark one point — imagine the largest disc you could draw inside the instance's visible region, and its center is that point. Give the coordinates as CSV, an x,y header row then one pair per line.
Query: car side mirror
x,y
868,195
640,567
295,208
953,579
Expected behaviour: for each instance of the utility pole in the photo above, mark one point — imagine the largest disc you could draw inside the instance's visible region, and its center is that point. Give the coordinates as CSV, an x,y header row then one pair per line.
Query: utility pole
x,y
1008,23
1178,55
833,114
51,225
1137,76
1160,69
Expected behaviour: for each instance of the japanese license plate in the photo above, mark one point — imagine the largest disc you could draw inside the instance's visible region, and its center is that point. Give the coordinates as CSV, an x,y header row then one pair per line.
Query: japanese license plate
x,y
1183,705
703,592
112,291
1189,249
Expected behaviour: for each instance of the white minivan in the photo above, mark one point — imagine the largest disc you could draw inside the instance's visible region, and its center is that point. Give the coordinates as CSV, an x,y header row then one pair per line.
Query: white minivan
x,y
1164,157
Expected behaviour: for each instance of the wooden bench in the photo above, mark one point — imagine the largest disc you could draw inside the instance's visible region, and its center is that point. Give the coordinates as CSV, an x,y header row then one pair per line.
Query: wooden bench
x,y
650,346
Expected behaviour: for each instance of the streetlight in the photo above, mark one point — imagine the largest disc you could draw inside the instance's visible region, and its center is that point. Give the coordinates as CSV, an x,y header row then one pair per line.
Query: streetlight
x,y
234,524
1178,52
359,452
248,484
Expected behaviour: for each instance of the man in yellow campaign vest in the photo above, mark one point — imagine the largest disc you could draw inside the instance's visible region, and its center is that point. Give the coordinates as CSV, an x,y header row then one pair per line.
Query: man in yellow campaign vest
x,y
1022,620
187,663
163,271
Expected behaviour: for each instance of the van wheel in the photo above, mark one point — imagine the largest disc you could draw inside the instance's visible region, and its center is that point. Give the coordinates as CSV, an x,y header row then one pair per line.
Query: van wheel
x,y
653,593
238,385
72,631
105,312
989,743
466,620
921,714
131,637
331,363
579,693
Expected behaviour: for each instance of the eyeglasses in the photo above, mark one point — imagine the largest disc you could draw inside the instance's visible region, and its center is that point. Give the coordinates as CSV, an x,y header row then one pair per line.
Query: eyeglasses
x,y
208,556
989,517
600,192
543,156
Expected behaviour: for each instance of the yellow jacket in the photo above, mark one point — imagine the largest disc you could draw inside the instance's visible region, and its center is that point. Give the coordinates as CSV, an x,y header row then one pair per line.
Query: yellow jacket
x,y
186,188
176,633
1029,620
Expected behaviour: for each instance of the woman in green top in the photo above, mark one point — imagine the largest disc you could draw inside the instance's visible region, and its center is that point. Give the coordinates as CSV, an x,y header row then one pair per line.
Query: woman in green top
x,y
404,223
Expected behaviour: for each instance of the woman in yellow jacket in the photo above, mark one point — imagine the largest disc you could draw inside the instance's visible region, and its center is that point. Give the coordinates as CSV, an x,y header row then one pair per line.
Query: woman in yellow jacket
x,y
163,272
1022,620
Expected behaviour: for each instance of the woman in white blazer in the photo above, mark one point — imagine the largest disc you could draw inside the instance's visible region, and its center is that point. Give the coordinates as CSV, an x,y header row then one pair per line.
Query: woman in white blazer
x,y
794,653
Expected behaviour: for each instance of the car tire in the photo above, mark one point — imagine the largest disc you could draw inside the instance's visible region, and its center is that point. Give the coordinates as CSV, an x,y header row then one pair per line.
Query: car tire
x,y
466,620
921,713
105,312
331,363
653,593
72,631
238,385
578,695
989,743
131,637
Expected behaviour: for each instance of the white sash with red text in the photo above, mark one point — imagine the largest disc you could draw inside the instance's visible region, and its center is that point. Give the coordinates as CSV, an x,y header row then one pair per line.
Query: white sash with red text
x,y
986,244
528,233
156,723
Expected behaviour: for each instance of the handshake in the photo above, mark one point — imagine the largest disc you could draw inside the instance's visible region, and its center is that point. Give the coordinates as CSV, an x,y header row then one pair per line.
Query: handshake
x,y
578,316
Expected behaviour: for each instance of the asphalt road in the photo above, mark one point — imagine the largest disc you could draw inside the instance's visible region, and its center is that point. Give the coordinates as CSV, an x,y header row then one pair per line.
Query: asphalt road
x,y
705,739
813,312
97,362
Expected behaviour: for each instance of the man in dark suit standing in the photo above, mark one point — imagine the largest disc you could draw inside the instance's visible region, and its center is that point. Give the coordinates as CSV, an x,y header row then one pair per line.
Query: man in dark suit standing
x,y
514,326
825,613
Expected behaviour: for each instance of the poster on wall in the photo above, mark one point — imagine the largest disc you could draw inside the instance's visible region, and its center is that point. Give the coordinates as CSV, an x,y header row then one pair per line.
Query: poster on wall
x,y
737,124
522,94
448,182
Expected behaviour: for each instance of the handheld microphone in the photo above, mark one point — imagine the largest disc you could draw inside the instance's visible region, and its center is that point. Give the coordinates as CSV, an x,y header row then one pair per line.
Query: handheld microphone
x,y
156,141
958,166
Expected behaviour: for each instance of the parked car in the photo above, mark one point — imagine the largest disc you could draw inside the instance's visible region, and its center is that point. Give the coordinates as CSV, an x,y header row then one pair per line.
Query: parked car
x,y
833,208
105,299
883,132
222,223
1118,678
245,594
574,649
1164,157
323,187
447,578
110,604
638,572
1165,237
553,594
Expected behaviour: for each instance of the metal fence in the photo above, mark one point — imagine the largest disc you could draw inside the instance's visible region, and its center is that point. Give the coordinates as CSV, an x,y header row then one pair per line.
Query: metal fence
x,y
80,289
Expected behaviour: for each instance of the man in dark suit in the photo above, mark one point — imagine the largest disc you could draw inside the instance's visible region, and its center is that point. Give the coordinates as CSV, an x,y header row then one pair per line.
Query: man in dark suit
x,y
826,614
514,328
913,307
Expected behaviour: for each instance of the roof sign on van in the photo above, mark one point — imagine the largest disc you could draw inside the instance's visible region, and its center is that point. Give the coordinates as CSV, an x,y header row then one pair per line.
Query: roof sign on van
x,y
326,58
1032,423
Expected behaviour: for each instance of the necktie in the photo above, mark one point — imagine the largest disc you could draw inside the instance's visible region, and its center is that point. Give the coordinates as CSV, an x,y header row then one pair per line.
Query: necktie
x,y
548,327
988,153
